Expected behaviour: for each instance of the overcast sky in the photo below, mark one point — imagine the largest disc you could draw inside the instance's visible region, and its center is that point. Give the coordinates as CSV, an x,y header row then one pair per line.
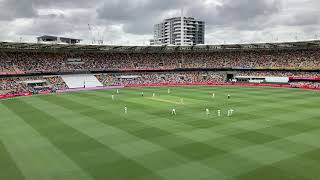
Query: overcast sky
x,y
131,21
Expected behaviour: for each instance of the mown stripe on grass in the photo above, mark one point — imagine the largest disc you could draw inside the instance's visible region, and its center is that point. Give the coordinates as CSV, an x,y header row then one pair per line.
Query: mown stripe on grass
x,y
33,154
8,168
202,122
256,111
200,153
137,149
268,173
258,138
252,127
117,139
236,130
95,158
154,109
168,159
136,111
147,134
98,99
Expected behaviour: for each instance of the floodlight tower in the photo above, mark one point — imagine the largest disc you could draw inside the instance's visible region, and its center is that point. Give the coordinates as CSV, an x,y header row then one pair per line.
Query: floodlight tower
x,y
101,39
91,34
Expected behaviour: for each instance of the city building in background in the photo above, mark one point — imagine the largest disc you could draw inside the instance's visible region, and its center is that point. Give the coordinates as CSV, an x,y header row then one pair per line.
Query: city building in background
x,y
179,31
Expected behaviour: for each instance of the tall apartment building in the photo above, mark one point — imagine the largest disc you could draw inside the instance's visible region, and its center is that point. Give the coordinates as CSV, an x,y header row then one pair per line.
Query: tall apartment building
x,y
179,31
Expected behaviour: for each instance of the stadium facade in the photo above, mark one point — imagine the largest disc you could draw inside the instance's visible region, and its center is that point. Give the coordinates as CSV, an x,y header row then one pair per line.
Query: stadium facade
x,y
57,40
179,31
40,68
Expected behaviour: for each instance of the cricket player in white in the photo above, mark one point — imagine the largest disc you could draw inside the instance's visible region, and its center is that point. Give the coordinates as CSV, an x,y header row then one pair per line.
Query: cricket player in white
x,y
207,112
219,113
230,112
154,95
173,112
125,110
213,95
112,96
168,91
229,96
117,91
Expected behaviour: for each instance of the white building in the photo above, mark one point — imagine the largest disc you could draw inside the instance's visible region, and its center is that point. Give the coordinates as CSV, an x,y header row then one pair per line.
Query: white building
x,y
57,40
179,31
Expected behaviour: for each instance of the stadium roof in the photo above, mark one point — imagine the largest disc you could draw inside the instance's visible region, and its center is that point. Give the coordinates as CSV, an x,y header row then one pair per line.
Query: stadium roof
x,y
10,46
66,40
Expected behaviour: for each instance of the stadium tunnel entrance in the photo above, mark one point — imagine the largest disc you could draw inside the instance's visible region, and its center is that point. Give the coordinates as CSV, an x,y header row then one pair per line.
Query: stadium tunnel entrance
x,y
230,77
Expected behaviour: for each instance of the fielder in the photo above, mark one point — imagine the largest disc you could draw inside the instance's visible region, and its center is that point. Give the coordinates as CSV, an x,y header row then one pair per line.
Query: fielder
x,y
173,112
125,110
154,95
207,112
117,91
213,95
229,96
112,97
168,91
230,112
142,94
219,113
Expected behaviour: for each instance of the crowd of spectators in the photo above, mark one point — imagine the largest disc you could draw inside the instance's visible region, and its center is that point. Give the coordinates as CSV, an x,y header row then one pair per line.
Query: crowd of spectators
x,y
14,85
305,83
278,74
11,86
54,62
18,84
164,77
56,82
24,62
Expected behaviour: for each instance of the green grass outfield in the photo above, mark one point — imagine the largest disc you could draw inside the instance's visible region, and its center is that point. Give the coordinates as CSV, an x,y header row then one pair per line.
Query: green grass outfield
x,y
273,134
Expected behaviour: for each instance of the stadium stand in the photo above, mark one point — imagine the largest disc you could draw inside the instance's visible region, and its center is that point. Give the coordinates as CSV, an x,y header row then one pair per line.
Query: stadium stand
x,y
15,62
112,79
40,68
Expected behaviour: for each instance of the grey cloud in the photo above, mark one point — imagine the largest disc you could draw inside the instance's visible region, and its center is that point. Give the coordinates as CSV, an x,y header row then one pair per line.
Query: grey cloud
x,y
229,20
243,10
66,4
54,24
138,16
42,27
306,18
304,15
12,9
239,14
126,10
139,27
298,16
